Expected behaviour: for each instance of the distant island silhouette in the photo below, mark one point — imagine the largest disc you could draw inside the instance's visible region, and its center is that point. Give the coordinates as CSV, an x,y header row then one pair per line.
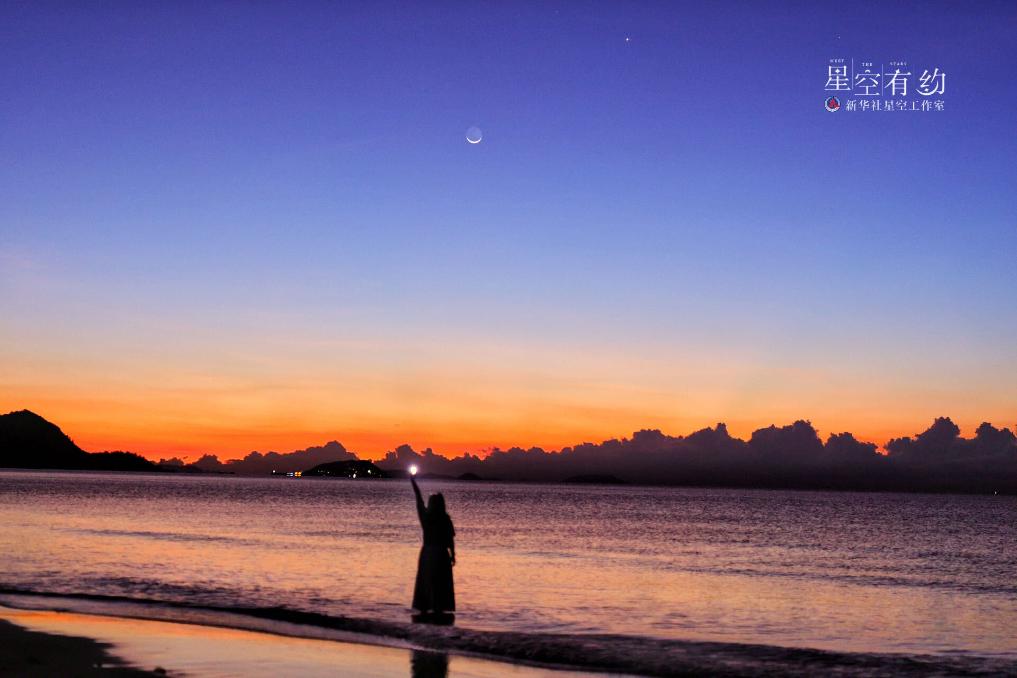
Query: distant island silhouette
x,y
351,468
792,456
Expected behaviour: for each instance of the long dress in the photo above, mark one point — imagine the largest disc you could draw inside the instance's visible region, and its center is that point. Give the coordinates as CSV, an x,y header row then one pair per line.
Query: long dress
x,y
433,590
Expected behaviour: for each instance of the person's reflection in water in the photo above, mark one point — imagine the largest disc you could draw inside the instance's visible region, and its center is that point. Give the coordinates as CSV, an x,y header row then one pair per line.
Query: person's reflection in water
x,y
424,664
433,594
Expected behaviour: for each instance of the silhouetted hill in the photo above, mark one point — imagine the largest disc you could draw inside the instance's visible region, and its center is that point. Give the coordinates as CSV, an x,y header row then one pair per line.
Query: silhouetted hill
x,y
29,441
347,469
120,461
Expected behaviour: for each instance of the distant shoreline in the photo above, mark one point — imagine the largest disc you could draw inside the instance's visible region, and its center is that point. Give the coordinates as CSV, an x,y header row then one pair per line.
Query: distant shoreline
x,y
503,481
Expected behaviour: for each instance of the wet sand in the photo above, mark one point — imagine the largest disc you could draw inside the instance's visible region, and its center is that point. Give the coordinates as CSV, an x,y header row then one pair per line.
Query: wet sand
x,y
52,643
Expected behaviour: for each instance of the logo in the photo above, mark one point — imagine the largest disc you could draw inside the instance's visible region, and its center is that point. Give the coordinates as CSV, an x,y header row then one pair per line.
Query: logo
x,y
883,86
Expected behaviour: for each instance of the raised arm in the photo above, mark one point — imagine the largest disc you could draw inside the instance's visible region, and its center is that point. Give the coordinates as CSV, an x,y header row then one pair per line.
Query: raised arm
x,y
420,500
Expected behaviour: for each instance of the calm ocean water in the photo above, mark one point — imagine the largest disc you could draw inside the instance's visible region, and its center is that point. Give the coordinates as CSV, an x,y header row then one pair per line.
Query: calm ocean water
x,y
856,572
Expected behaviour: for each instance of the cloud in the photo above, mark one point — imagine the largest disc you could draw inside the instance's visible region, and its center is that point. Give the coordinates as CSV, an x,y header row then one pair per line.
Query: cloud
x,y
789,456
257,463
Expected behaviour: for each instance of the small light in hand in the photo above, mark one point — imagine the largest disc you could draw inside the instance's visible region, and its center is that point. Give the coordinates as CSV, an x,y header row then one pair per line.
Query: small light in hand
x,y
413,470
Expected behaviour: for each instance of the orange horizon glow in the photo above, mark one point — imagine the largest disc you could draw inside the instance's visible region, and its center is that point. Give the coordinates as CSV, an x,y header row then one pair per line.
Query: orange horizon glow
x,y
457,393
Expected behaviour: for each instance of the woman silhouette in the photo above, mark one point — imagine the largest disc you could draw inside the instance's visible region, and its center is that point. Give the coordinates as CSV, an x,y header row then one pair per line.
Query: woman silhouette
x,y
433,592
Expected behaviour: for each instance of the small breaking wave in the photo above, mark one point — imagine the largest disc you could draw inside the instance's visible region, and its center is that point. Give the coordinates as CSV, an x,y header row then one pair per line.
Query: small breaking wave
x,y
152,534
595,652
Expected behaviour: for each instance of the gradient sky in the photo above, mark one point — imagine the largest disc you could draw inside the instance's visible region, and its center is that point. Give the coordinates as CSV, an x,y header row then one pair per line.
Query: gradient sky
x,y
253,225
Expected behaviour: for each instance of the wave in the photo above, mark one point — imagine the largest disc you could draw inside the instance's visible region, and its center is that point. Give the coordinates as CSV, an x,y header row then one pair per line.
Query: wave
x,y
893,579
153,534
593,651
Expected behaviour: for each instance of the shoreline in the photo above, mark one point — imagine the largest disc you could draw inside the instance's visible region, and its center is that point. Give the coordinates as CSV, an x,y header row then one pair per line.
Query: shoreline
x,y
639,484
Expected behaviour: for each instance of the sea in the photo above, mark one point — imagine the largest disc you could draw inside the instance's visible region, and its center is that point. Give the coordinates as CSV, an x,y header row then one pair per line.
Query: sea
x,y
606,577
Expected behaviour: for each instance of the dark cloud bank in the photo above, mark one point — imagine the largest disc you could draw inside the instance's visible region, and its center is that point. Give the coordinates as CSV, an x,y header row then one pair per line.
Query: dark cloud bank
x,y
793,456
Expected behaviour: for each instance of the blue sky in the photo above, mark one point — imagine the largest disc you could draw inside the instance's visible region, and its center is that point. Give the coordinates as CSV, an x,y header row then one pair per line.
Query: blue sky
x,y
186,179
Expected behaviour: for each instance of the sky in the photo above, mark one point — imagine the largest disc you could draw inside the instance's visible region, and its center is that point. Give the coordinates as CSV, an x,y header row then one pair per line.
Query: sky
x,y
236,226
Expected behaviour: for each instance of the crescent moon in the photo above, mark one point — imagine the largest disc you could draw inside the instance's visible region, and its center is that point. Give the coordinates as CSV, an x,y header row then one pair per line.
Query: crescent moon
x,y
471,141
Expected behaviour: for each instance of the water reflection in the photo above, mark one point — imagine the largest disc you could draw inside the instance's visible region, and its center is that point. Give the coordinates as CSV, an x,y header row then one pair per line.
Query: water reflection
x,y
435,618
427,664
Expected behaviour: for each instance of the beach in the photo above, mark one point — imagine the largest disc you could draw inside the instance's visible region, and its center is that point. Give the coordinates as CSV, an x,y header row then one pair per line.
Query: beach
x,y
59,643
